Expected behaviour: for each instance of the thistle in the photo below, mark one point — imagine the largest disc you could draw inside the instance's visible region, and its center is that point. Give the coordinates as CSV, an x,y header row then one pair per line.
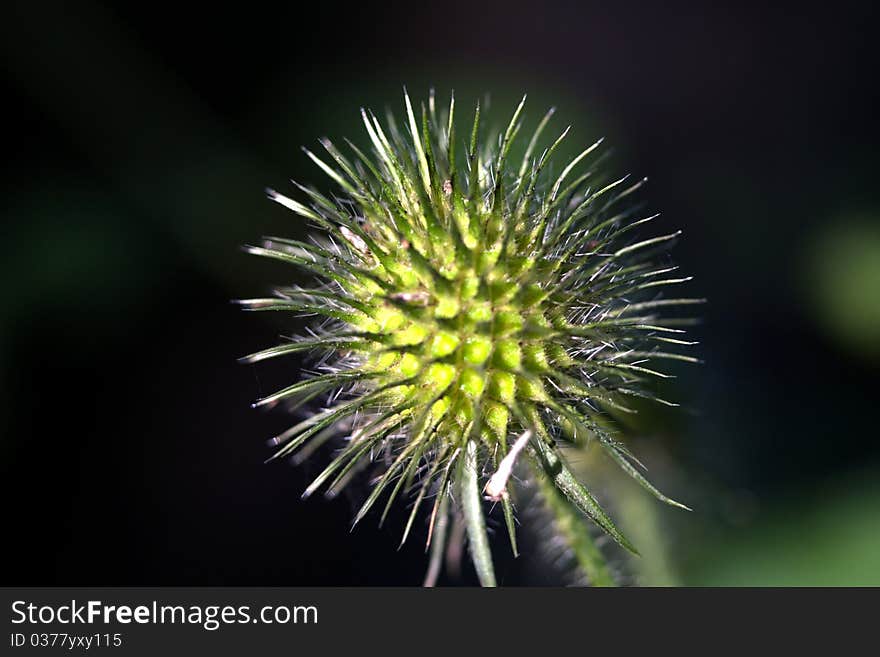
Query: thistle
x,y
477,315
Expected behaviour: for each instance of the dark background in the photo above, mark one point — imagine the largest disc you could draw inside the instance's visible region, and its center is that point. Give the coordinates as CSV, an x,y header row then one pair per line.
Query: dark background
x,y
138,140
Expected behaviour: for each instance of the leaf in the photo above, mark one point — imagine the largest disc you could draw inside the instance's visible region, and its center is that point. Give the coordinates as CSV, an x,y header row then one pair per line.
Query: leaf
x,y
509,520
552,463
438,544
633,472
570,525
472,506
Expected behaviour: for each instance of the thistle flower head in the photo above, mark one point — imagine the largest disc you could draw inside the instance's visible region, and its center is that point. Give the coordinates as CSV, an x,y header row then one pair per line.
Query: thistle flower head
x,y
476,312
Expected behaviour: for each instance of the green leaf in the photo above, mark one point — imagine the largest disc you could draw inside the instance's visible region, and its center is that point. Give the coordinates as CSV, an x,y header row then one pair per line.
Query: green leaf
x,y
549,459
570,524
472,506
437,542
633,472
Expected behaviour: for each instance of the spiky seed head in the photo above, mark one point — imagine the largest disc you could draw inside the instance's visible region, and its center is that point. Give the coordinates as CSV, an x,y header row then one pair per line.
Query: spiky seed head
x,y
476,308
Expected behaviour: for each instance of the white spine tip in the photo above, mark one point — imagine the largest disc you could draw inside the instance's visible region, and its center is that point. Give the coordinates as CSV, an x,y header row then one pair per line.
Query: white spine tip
x,y
496,488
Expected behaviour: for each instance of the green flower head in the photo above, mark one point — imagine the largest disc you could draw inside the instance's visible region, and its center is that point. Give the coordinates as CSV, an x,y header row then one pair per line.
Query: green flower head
x,y
477,314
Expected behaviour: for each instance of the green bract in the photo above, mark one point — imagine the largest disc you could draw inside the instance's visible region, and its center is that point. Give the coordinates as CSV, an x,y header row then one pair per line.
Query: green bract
x,y
480,311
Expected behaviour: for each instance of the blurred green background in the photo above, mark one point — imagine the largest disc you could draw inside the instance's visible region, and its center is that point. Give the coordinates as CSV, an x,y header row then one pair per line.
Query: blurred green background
x,y
139,138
